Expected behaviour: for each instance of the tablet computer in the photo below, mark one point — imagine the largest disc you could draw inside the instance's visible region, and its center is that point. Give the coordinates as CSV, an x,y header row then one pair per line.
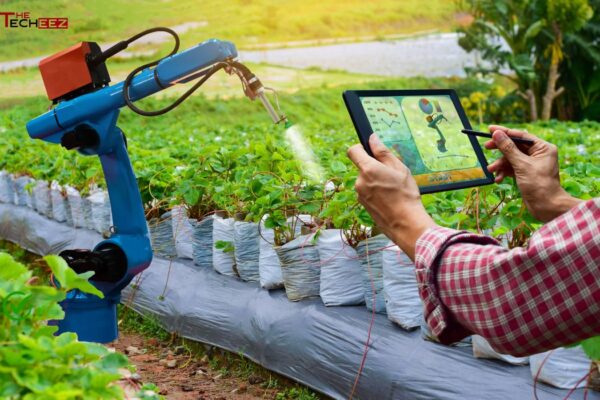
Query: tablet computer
x,y
423,129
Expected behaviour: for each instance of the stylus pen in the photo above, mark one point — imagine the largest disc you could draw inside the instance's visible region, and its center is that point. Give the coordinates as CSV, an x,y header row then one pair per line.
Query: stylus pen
x,y
489,135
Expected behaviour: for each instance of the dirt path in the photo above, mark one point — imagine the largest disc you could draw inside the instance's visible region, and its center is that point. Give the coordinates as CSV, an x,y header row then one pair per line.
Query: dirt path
x,y
427,55
182,376
407,56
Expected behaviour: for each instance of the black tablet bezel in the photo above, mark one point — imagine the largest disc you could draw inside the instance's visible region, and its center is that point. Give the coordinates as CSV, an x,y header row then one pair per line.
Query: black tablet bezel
x,y
364,130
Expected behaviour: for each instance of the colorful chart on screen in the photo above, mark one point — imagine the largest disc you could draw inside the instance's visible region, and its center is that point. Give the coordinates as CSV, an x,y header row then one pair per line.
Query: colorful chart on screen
x,y
425,133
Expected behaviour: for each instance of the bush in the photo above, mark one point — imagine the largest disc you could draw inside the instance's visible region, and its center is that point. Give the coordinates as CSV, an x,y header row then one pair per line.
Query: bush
x,y
35,364
538,42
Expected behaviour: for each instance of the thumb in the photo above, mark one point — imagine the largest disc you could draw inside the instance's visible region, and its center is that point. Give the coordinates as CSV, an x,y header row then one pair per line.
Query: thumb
x,y
381,152
507,147
359,156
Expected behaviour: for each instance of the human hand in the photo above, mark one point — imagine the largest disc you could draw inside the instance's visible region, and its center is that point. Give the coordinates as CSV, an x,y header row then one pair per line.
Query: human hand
x,y
390,194
535,168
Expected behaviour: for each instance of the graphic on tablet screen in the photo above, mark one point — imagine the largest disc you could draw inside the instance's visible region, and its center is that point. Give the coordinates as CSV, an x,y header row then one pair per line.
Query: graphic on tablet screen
x,y
434,119
425,133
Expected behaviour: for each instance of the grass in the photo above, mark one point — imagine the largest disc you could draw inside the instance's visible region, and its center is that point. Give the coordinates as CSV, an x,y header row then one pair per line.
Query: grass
x,y
226,363
27,82
147,326
246,22
207,109
164,139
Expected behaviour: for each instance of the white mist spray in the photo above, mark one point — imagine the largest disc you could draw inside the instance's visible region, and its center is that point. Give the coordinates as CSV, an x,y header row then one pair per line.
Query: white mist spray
x,y
302,151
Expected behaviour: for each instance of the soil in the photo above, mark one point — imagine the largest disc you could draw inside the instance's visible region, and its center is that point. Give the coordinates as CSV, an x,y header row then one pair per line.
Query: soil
x,y
180,375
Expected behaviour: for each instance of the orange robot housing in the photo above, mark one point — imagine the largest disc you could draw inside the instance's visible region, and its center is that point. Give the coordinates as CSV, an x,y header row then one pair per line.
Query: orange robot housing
x,y
71,72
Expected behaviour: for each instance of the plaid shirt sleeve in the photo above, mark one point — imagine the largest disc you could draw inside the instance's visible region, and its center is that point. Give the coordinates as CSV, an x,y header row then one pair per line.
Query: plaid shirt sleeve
x,y
523,301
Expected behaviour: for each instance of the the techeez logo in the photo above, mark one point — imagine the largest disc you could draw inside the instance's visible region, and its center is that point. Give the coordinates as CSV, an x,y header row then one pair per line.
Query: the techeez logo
x,y
24,20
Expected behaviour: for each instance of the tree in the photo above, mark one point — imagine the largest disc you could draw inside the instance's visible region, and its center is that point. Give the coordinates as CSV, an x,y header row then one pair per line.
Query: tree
x,y
580,71
522,40
562,17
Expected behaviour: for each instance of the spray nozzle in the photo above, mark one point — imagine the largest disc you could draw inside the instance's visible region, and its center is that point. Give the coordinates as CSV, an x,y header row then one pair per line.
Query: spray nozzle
x,y
254,88
270,110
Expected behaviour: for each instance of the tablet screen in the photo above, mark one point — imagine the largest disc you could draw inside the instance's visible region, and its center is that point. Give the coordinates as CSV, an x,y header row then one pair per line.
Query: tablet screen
x,y
424,131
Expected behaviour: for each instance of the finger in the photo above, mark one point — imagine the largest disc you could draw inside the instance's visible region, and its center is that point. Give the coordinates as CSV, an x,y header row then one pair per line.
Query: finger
x,y
494,166
499,177
508,147
504,172
494,128
525,148
513,132
359,156
359,185
489,145
382,153
501,166
500,163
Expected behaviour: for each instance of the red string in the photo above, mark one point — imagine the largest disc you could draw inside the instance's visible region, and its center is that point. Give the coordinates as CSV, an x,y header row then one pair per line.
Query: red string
x,y
52,282
366,350
537,375
576,385
320,263
373,307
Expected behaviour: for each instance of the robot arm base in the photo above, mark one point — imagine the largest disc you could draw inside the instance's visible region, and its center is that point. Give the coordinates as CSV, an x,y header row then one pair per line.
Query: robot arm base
x,y
108,263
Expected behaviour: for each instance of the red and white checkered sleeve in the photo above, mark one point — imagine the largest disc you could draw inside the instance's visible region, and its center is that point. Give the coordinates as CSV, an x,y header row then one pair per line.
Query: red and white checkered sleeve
x,y
524,300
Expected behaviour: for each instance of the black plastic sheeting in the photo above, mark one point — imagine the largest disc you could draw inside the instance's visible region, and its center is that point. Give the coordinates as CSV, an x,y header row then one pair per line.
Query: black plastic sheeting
x,y
319,346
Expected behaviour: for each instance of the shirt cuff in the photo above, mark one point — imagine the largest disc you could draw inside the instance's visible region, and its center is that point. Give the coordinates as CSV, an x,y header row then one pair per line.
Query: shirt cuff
x,y
429,250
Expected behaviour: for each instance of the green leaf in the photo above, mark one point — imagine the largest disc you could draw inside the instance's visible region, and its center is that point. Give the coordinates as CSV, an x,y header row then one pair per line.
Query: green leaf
x,y
69,279
309,208
338,167
591,347
275,220
224,246
12,273
66,338
191,197
277,157
113,361
91,172
534,29
365,218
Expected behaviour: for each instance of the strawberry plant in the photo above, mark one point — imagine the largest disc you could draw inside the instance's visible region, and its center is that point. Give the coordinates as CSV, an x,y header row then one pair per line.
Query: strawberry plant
x,y
344,212
194,188
35,364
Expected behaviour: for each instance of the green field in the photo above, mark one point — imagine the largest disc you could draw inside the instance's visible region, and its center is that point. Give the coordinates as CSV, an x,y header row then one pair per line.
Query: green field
x,y
25,83
246,23
215,153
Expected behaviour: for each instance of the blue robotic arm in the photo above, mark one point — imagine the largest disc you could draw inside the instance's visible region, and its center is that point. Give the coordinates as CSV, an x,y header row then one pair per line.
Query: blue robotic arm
x,y
88,123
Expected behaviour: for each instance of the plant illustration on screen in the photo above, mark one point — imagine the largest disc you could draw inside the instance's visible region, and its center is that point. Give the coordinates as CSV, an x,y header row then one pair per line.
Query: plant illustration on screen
x,y
434,119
